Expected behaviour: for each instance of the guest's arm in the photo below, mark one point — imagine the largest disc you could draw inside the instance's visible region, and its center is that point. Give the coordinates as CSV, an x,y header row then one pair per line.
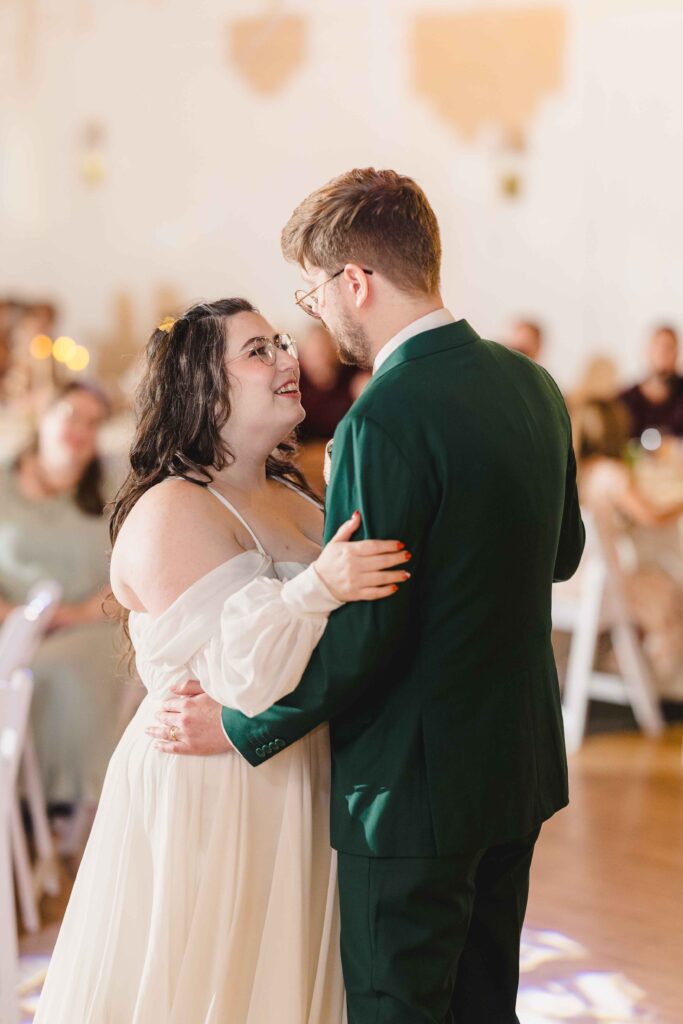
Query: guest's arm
x,y
637,507
5,608
79,613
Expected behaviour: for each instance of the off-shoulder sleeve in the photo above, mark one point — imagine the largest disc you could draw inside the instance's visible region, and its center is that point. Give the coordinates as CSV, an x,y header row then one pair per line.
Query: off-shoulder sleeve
x,y
266,635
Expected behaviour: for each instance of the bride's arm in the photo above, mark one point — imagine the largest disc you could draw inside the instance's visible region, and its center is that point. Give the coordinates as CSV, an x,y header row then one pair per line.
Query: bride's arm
x,y
269,629
265,638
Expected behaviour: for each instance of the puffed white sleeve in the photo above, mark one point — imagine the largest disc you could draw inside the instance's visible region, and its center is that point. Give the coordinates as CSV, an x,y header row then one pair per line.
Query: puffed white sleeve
x,y
264,640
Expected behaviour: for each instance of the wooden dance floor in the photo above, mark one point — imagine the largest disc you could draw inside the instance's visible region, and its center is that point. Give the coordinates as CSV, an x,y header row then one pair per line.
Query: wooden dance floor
x,y
604,936
608,877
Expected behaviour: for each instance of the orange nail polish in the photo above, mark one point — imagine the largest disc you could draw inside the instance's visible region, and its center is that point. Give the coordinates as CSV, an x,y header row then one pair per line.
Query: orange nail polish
x,y
408,556
400,546
394,589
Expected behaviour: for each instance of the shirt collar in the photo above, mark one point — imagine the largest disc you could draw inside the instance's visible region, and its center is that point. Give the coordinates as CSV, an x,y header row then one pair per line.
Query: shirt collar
x,y
437,318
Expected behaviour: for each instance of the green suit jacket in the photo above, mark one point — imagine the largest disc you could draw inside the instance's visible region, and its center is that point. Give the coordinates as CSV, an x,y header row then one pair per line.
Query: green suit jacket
x,y
443,702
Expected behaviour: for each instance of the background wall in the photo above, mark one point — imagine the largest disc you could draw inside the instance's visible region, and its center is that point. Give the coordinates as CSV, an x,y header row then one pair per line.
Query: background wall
x,y
145,163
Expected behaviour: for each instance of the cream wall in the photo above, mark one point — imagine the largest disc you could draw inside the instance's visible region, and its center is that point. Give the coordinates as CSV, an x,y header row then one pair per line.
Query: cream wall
x,y
202,171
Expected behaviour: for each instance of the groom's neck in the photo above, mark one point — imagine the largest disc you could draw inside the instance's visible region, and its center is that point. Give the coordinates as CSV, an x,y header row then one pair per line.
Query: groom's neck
x,y
394,316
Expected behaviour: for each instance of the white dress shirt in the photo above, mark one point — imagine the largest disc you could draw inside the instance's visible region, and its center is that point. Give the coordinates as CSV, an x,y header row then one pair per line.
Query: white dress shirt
x,y
437,318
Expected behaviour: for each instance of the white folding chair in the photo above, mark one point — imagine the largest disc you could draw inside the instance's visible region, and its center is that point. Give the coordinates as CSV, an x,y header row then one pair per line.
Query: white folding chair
x,y
596,605
15,699
20,635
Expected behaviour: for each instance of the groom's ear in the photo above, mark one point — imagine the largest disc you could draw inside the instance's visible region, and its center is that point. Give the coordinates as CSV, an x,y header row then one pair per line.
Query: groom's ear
x,y
357,282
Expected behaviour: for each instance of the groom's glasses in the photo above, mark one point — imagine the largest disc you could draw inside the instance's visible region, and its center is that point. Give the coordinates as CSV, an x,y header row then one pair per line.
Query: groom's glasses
x,y
308,301
266,349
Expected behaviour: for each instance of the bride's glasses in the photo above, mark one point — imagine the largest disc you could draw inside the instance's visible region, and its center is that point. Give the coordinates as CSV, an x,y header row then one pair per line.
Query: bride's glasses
x,y
266,349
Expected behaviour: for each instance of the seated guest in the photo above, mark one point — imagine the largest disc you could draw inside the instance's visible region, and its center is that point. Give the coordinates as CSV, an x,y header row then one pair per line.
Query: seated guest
x,y
53,527
609,490
326,386
526,337
658,400
600,379
6,323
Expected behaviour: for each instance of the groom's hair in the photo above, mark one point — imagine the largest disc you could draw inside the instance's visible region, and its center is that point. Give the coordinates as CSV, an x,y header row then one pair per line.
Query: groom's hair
x,y
378,219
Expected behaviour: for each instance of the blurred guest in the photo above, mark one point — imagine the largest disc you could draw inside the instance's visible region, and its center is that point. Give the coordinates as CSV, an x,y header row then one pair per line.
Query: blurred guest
x,y
609,490
526,336
327,393
24,380
53,527
360,381
7,314
326,386
599,380
12,312
658,400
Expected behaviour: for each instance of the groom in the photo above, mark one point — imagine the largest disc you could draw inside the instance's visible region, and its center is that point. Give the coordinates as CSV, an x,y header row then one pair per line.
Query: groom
x,y
443,703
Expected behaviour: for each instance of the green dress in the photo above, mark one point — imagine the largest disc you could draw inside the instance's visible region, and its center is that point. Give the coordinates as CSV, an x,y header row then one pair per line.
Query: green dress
x,y
77,670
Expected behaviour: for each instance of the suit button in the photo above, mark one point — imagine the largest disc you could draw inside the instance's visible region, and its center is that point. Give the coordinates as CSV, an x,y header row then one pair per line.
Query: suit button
x,y
280,744
260,752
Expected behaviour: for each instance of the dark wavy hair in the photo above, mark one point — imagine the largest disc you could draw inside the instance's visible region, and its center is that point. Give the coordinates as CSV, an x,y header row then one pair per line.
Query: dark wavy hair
x,y
88,494
182,405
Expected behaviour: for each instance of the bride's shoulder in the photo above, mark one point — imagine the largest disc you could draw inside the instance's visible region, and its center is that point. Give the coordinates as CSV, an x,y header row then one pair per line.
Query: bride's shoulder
x,y
169,539
163,510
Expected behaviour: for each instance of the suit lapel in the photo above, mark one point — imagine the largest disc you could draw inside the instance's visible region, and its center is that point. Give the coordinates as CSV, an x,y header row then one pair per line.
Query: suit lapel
x,y
437,340
428,342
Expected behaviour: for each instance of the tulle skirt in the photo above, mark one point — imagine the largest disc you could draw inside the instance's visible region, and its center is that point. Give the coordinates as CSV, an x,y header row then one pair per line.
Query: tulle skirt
x,y
206,895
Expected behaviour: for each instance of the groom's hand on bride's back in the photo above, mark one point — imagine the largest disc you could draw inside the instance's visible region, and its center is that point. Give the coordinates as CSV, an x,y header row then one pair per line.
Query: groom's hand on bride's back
x,y
189,723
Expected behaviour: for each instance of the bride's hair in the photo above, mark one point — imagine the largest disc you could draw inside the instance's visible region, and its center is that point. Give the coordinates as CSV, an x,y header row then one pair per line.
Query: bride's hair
x,y
182,404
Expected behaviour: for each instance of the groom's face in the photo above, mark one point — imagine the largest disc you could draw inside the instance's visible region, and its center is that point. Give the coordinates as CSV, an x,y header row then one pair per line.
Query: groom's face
x,y
337,307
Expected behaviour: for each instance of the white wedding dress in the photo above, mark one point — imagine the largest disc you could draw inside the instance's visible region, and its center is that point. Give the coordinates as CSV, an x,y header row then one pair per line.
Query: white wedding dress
x,y
207,891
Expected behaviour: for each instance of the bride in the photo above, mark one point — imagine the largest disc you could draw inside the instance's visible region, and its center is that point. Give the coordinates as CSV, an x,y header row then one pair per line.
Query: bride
x,y
207,892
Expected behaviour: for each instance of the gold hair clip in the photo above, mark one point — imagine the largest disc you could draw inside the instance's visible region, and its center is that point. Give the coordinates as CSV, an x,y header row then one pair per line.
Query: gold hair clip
x,y
166,324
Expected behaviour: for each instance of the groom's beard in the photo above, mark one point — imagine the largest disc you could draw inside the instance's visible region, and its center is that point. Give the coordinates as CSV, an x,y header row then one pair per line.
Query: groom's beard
x,y
352,342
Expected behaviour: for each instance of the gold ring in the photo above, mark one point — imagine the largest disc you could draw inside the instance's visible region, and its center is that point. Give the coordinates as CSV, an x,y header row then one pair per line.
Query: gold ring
x,y
173,733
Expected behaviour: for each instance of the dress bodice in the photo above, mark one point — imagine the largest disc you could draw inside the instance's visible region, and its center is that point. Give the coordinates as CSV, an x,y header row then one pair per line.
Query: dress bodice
x,y
165,644
229,628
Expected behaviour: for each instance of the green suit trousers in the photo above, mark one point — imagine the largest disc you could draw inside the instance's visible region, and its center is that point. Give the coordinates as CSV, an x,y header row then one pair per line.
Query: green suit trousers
x,y
434,940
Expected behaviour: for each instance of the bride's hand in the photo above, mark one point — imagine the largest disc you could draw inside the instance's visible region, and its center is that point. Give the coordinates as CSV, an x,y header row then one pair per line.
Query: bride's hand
x,y
361,570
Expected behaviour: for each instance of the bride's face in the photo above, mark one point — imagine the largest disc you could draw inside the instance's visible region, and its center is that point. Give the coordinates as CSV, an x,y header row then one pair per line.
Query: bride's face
x,y
265,399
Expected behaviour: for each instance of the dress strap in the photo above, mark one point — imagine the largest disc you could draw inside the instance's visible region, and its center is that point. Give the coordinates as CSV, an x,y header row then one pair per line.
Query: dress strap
x,y
297,490
231,508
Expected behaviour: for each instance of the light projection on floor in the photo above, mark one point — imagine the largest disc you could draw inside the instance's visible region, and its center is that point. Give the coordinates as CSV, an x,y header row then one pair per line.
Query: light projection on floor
x,y
558,983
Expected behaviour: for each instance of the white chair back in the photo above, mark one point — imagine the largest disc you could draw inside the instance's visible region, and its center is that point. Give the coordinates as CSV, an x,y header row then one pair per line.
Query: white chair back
x,y
20,635
592,604
15,699
24,627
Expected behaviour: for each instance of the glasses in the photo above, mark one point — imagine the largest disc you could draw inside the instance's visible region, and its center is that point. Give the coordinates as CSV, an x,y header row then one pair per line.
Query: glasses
x,y
266,349
308,301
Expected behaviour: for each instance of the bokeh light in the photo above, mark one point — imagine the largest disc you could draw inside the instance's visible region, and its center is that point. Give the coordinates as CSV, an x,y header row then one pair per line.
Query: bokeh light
x,y
79,358
63,349
41,346
651,439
